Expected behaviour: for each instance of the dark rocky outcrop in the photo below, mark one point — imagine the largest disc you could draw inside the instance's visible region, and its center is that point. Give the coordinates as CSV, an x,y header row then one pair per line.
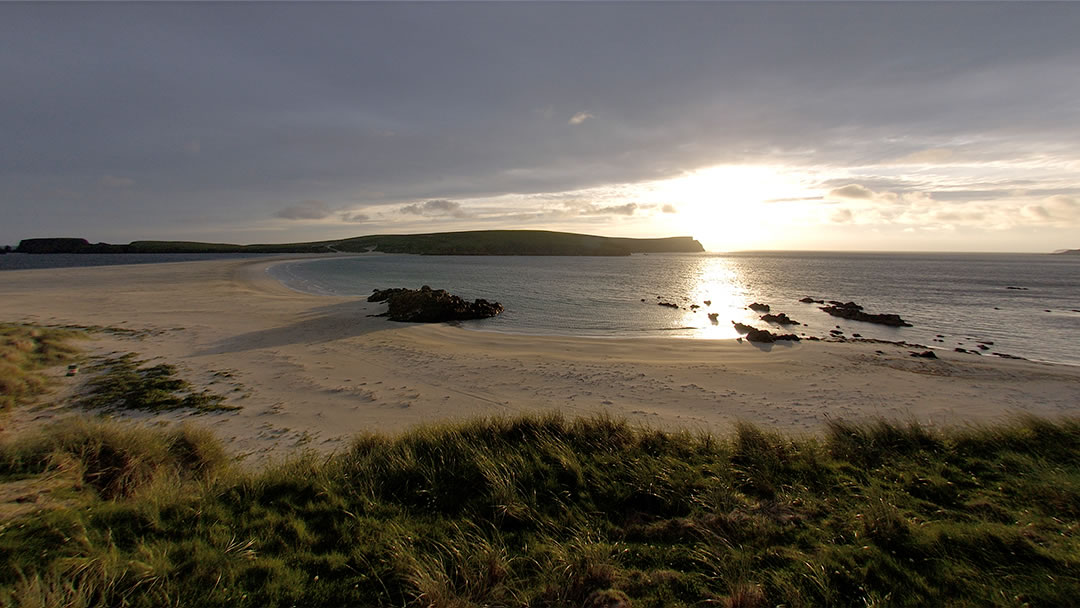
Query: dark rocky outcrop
x,y
758,307
667,304
809,300
854,312
754,334
427,305
779,319
926,354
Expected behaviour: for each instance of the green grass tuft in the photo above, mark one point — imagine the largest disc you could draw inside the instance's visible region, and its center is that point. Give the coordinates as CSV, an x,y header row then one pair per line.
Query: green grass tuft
x,y
24,351
126,383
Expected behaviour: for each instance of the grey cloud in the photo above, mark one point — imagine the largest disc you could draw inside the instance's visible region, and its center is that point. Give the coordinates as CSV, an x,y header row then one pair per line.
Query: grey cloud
x,y
853,191
307,210
435,207
355,218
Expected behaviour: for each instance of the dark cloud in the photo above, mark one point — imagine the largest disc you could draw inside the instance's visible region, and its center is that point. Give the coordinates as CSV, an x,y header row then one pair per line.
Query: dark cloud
x,y
213,109
436,207
307,210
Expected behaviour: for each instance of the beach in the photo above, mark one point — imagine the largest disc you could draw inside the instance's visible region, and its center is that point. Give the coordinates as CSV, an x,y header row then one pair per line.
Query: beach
x,y
311,371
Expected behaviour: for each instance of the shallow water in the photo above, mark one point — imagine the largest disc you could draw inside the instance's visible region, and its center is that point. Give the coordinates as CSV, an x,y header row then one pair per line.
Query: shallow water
x,y
963,297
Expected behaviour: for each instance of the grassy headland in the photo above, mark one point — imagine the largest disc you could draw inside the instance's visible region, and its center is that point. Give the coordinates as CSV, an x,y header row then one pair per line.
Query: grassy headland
x,y
476,242
546,511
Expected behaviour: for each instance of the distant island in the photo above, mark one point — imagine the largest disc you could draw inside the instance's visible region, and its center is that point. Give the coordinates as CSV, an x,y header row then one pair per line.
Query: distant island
x,y
1068,252
475,242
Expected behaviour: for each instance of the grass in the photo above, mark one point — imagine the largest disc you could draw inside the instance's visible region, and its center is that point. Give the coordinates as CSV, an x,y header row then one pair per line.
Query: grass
x,y
24,351
126,383
548,511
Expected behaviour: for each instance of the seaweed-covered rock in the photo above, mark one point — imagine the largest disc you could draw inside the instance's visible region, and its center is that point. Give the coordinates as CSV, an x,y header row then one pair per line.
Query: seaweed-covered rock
x,y
427,305
854,312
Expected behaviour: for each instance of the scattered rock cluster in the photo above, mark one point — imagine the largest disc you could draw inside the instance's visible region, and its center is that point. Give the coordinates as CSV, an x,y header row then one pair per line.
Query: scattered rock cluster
x,y
427,305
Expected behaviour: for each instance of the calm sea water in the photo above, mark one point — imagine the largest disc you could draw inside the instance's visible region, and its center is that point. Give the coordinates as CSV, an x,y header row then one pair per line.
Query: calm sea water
x,y
963,297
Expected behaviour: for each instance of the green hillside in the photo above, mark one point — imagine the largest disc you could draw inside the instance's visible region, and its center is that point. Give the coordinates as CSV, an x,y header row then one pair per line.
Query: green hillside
x,y
477,242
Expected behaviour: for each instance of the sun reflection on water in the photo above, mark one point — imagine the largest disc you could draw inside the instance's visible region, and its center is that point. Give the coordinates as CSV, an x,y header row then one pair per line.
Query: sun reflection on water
x,y
721,283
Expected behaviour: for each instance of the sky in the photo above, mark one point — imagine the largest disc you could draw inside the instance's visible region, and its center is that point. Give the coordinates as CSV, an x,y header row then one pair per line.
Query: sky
x,y
814,126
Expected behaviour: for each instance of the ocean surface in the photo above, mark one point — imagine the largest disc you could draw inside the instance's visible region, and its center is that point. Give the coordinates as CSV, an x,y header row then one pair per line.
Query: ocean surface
x,y
952,300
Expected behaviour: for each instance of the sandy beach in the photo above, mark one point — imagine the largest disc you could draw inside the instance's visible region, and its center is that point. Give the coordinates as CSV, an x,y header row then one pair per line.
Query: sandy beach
x,y
310,371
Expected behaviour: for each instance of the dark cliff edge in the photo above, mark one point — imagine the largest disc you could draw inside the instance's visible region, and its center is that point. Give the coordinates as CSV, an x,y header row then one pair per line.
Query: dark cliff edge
x,y
477,242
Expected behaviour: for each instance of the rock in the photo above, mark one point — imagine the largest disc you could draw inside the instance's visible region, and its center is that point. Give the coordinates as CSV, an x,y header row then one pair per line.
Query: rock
x,y
694,307
809,300
742,328
926,354
1007,356
668,304
856,335
642,299
758,307
708,302
836,332
986,342
382,295
754,334
713,316
960,350
427,305
1017,288
854,312
780,319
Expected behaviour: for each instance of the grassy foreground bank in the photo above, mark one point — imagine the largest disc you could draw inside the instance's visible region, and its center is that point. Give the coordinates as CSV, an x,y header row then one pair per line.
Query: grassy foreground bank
x,y
547,511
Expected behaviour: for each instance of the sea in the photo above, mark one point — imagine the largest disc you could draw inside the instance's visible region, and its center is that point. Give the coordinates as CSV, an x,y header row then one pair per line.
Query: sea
x,y
1023,305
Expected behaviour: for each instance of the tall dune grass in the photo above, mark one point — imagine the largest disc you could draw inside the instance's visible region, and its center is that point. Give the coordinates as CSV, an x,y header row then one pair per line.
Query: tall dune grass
x,y
550,511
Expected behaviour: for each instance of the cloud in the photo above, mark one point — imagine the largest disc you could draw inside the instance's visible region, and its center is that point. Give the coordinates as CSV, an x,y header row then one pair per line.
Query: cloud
x,y
354,218
853,191
842,216
579,118
436,207
588,208
929,156
1062,211
111,181
669,209
307,210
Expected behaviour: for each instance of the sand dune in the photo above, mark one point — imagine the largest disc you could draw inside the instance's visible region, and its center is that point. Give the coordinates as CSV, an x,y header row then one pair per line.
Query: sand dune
x,y
310,371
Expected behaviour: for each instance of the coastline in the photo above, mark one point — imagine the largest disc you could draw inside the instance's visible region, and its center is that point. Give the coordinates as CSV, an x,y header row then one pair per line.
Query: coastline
x,y
310,371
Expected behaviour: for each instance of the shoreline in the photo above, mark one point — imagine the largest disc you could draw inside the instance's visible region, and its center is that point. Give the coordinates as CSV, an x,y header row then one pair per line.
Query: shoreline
x,y
310,371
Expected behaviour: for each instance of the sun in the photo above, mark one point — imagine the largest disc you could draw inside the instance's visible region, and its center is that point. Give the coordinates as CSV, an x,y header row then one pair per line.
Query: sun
x,y
731,207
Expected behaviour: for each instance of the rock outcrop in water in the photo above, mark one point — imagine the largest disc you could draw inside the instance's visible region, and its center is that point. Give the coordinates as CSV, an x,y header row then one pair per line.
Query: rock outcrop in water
x,y
758,307
854,312
779,319
427,305
754,334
